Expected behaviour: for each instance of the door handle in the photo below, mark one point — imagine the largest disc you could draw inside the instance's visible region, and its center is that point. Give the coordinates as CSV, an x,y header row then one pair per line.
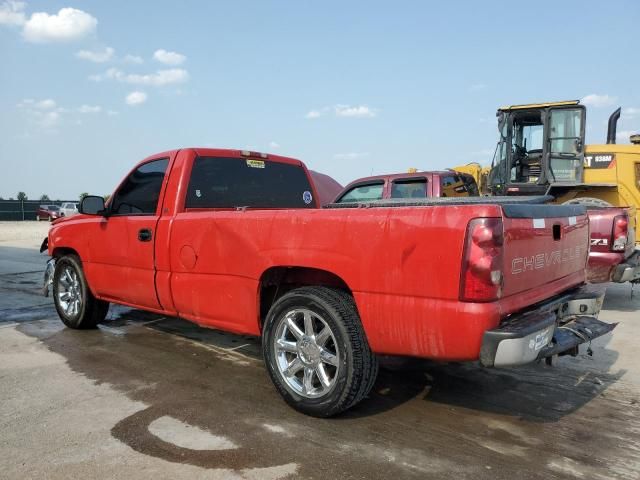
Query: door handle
x,y
144,235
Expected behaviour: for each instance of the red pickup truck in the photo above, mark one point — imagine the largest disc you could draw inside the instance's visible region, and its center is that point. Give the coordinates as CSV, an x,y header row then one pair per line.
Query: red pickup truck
x,y
237,241
612,257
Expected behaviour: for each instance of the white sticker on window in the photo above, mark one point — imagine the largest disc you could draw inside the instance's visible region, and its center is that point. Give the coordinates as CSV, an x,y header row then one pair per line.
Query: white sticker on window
x,y
307,197
198,193
572,220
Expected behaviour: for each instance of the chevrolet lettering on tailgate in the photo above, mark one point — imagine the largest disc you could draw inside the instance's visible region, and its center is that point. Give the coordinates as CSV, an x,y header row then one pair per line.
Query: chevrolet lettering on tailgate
x,y
547,259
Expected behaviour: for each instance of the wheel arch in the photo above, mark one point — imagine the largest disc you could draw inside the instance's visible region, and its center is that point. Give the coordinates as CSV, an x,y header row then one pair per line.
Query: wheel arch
x,y
61,251
278,280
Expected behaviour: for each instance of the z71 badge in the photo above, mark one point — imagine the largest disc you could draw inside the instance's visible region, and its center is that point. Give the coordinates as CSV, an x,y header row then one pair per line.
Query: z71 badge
x,y
599,160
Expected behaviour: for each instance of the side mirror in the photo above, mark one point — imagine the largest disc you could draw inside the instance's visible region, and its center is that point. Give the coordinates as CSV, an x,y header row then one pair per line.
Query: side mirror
x,y
92,205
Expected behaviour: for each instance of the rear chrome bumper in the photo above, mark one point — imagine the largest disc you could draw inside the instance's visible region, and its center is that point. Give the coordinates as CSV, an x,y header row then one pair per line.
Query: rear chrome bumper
x,y
628,271
555,327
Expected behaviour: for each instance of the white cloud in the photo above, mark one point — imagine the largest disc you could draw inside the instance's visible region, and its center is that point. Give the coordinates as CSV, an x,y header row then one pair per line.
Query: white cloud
x,y
273,144
68,24
596,101
128,58
168,58
313,114
44,114
47,104
357,111
340,110
630,113
12,13
158,79
136,98
476,87
350,155
90,109
95,78
112,113
98,56
625,134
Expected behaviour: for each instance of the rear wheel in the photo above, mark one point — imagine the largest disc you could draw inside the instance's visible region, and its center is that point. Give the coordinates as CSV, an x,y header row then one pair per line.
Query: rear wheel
x,y
588,202
316,351
75,304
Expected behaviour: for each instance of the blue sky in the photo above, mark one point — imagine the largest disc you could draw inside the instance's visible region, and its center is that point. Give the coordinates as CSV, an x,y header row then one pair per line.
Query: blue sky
x,y
88,88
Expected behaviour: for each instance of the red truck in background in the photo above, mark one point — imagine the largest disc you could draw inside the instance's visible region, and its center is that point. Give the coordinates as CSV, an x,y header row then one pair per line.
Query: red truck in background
x,y
612,257
445,183
237,241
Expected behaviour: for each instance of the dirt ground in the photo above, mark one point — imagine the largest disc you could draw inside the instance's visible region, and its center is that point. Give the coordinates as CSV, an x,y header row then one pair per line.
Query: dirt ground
x,y
146,396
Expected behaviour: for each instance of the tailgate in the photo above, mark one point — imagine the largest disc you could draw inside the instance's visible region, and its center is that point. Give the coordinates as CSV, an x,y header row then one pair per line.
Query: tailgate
x,y
543,243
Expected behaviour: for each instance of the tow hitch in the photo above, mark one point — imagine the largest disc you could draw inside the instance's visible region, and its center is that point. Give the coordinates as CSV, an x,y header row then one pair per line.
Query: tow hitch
x,y
568,336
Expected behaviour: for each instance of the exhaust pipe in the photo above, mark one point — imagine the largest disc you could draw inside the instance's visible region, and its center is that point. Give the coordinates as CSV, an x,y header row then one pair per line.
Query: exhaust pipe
x,y
613,126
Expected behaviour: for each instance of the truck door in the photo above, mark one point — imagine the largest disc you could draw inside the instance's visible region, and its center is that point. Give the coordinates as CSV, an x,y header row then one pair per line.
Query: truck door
x,y
564,144
122,263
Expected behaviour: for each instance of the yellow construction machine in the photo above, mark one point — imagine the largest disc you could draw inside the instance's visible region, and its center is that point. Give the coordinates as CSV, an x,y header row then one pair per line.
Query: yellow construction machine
x,y
541,150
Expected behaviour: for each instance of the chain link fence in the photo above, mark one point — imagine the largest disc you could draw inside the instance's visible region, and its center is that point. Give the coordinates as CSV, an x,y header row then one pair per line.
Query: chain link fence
x,y
24,210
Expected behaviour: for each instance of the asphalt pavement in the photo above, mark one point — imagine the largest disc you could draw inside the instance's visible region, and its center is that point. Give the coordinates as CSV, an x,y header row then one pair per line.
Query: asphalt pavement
x,y
146,396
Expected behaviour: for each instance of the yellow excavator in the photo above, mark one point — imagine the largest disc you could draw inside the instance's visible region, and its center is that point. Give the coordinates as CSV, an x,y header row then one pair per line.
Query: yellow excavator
x,y
541,150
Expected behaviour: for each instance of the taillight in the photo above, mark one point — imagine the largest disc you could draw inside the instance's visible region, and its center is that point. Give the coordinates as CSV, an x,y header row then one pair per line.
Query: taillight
x,y
481,274
620,233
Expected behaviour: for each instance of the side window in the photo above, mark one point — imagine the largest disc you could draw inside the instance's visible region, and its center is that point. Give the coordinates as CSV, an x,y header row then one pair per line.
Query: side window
x,y
452,186
139,193
218,182
471,185
363,193
409,188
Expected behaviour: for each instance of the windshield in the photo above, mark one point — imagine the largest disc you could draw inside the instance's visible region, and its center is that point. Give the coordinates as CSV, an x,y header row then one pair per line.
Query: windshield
x,y
54,208
363,193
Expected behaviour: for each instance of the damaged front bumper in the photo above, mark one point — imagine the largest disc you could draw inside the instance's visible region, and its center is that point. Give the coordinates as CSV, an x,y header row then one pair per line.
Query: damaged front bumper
x,y
48,276
556,327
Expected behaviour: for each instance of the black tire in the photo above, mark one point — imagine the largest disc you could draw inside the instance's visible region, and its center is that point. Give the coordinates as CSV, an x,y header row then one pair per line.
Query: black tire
x,y
588,202
358,367
91,311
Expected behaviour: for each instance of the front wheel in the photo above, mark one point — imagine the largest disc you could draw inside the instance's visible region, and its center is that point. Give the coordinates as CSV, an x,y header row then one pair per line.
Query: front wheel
x,y
316,351
75,304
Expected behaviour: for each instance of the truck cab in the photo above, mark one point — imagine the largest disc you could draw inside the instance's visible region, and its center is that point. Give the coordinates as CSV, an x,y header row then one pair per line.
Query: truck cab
x,y
540,146
412,185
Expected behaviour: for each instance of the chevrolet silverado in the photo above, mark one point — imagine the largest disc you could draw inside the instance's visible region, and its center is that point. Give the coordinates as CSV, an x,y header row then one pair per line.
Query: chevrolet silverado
x,y
238,241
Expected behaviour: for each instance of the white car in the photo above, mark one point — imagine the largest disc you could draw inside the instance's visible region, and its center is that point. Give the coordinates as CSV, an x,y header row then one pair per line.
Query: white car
x,y
68,209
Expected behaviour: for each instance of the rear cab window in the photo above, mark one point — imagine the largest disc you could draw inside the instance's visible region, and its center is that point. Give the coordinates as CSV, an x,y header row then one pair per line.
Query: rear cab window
x,y
364,192
458,186
409,188
219,182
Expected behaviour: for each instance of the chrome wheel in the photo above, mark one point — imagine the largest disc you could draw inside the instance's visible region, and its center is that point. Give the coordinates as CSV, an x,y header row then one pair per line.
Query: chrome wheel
x,y
306,353
69,292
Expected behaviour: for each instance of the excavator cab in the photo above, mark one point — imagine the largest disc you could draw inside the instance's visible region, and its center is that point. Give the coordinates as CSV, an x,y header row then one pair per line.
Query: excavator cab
x,y
541,146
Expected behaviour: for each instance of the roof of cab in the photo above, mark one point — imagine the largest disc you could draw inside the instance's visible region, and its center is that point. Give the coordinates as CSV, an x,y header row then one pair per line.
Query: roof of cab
x,y
395,176
540,105
228,153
